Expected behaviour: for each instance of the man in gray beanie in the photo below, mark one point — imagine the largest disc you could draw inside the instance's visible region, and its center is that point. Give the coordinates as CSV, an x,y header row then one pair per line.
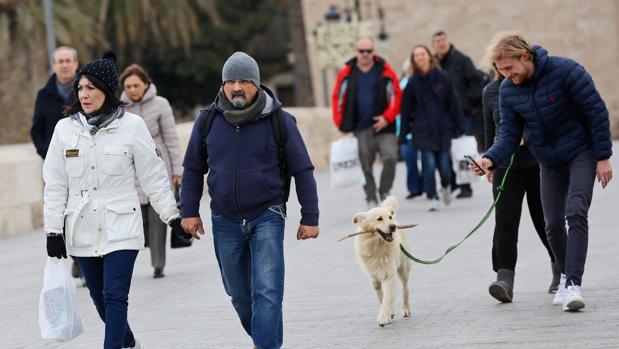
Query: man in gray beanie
x,y
234,140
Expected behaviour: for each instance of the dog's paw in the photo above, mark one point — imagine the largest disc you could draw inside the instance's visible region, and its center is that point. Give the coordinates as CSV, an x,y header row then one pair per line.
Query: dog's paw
x,y
383,320
406,312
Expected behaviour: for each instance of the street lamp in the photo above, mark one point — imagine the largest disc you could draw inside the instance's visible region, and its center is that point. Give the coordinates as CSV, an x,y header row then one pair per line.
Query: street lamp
x,y
382,35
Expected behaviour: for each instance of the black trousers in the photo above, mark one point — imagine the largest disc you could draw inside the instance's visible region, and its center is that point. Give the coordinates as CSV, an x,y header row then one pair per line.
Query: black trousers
x,y
508,211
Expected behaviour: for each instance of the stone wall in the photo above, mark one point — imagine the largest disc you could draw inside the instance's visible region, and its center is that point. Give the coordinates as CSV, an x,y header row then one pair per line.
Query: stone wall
x,y
587,31
21,182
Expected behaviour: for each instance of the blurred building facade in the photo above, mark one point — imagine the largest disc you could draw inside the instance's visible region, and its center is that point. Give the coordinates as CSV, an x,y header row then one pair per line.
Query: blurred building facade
x,y
587,31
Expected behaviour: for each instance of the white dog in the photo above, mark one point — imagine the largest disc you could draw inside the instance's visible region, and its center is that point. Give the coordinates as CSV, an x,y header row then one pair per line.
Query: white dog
x,y
378,253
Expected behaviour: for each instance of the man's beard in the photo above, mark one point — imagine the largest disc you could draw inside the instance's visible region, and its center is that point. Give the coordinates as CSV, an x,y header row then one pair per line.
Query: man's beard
x,y
238,100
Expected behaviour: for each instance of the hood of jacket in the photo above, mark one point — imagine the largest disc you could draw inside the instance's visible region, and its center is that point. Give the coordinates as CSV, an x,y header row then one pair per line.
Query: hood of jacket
x,y
540,60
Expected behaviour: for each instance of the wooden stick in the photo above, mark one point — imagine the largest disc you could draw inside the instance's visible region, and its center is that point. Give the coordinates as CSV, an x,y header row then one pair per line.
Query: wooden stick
x,y
406,226
353,234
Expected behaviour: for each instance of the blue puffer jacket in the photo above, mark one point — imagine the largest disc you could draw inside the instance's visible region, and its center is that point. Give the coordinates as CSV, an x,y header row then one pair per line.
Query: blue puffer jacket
x,y
243,173
560,107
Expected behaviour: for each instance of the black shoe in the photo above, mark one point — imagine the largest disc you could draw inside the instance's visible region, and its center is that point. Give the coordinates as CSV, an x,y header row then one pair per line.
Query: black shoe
x,y
158,273
413,195
75,270
464,194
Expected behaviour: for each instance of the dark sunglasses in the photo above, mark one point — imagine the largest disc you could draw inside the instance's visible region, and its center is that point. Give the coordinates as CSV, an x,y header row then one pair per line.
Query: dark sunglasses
x,y
370,50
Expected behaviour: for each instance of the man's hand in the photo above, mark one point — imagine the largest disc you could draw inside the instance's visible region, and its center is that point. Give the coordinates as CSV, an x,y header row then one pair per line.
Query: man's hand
x,y
193,226
604,172
380,123
307,232
485,164
490,176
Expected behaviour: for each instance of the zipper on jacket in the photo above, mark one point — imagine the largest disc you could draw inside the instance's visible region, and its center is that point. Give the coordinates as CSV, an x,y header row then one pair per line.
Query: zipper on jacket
x,y
236,171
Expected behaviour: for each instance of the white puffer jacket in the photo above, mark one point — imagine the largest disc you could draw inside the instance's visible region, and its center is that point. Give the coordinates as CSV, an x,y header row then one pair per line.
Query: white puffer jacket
x,y
90,185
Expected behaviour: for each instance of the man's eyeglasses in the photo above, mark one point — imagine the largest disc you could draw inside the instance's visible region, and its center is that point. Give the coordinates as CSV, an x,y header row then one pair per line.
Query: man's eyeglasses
x,y
363,50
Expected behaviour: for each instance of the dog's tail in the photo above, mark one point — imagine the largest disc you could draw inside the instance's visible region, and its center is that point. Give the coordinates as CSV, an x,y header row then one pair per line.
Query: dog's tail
x,y
390,202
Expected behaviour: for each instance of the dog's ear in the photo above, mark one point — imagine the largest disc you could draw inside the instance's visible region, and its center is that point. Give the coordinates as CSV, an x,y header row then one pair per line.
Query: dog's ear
x,y
359,217
390,202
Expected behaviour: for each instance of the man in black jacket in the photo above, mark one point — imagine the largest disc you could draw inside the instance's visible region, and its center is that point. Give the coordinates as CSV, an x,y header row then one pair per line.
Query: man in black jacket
x,y
468,82
50,103
52,98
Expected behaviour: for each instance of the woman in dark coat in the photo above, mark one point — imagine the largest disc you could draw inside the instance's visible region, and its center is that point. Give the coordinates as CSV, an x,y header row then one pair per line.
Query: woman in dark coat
x,y
431,110
523,178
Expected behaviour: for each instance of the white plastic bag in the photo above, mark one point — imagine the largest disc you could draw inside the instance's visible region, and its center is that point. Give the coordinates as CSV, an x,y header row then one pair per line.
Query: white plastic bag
x,y
344,163
465,145
58,315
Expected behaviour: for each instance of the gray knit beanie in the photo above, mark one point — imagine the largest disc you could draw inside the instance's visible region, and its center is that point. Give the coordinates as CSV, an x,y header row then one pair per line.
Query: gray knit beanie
x,y
241,66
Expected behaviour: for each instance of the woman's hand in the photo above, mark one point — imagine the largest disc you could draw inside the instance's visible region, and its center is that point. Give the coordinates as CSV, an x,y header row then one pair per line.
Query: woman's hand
x,y
176,180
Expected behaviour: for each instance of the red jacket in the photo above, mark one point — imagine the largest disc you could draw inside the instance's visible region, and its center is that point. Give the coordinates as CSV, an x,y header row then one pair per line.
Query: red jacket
x,y
388,98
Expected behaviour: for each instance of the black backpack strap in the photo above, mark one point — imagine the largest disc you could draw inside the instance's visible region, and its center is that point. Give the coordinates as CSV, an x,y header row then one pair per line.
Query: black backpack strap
x,y
281,138
206,116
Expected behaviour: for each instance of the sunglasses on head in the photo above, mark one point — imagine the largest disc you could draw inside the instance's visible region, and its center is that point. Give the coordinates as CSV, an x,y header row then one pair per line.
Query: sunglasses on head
x,y
364,50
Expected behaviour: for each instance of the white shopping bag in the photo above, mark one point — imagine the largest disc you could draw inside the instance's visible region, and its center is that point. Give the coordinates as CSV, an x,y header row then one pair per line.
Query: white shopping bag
x,y
344,163
465,145
58,315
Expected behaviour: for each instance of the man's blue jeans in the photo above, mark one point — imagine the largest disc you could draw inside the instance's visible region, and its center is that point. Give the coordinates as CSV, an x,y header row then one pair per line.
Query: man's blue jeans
x,y
108,279
414,182
430,160
250,254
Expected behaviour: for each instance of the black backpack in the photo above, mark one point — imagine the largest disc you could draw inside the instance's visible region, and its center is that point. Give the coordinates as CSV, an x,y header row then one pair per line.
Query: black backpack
x,y
281,138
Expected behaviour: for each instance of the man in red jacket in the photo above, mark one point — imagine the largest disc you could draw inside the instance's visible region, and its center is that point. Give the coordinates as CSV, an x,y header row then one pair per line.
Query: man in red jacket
x,y
366,101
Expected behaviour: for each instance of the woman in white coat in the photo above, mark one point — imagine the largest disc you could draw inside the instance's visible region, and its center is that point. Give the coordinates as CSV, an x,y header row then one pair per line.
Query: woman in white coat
x,y
140,97
95,156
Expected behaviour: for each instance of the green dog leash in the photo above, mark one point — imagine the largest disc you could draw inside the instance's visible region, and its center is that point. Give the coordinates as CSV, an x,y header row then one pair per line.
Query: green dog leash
x,y
500,189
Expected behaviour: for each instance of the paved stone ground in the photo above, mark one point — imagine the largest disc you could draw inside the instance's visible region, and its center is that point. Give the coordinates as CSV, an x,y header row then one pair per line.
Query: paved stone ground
x,y
329,302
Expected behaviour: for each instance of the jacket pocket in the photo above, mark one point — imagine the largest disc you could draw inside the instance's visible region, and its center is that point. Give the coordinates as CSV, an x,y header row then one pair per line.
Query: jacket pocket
x,y
78,234
74,165
117,160
257,187
123,220
220,189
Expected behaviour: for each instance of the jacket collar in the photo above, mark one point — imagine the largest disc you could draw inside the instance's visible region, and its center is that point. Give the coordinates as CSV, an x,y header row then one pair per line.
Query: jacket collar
x,y
50,88
151,92
377,60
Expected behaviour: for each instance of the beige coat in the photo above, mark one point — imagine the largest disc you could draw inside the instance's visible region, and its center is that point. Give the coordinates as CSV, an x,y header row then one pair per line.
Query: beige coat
x,y
90,185
157,113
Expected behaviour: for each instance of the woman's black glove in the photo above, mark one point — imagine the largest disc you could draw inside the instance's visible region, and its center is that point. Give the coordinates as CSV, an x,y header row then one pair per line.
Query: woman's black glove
x,y
56,247
175,224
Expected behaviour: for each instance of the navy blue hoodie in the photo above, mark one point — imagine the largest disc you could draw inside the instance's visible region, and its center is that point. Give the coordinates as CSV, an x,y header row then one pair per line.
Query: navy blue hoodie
x,y
243,173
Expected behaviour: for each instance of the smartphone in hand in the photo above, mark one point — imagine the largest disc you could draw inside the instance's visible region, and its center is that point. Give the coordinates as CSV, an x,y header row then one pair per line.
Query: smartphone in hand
x,y
471,161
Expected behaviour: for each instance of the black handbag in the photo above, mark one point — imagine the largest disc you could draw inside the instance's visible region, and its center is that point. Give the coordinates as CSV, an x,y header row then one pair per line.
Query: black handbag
x,y
177,241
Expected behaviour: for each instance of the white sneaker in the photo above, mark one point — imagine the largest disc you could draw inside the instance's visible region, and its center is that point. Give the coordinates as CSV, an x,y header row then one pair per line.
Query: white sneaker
x,y
434,205
573,299
446,195
561,291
